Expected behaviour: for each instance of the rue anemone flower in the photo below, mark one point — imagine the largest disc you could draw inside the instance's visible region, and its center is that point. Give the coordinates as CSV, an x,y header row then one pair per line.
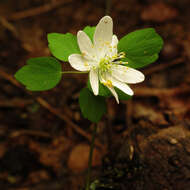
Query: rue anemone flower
x,y
103,61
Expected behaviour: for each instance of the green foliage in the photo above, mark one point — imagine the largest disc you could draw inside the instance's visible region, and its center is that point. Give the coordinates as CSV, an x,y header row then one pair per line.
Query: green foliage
x,y
89,30
141,47
63,45
41,73
92,107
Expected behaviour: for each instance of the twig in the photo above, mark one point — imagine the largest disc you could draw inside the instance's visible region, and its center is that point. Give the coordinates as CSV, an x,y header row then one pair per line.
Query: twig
x,y
8,77
163,66
56,112
65,118
16,102
37,11
9,26
145,91
29,132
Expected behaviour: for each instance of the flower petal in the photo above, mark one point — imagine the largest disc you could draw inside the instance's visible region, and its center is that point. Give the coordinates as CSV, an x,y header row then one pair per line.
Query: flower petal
x,y
78,62
94,81
122,86
85,45
113,48
127,74
114,93
103,36
114,40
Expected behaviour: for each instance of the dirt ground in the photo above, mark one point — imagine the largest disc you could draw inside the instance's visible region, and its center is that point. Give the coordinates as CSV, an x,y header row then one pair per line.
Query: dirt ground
x,y
142,144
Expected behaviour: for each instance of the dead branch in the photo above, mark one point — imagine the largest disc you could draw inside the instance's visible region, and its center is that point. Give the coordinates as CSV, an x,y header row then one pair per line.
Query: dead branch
x,y
15,102
9,26
14,134
145,91
39,10
160,67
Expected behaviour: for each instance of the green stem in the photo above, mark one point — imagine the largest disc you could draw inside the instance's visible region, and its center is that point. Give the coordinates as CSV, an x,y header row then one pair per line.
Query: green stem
x,y
90,158
108,6
74,72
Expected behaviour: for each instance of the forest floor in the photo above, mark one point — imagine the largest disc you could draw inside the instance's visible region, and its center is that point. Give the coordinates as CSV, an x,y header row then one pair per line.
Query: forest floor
x,y
142,144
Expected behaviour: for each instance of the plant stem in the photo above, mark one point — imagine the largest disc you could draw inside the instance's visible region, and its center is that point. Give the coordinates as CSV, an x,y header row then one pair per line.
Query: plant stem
x,y
108,6
90,158
74,72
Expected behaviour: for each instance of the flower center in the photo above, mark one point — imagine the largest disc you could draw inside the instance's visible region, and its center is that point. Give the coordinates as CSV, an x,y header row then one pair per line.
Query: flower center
x,y
105,65
106,62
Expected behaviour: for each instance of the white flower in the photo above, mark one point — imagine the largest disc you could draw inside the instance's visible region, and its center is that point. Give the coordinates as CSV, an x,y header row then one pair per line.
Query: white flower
x,y
103,61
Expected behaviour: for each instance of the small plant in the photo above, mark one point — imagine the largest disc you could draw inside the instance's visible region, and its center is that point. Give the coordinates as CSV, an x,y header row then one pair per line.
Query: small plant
x,y
111,64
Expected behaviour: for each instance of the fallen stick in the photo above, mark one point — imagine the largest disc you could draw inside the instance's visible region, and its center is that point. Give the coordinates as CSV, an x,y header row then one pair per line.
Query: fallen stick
x,y
38,10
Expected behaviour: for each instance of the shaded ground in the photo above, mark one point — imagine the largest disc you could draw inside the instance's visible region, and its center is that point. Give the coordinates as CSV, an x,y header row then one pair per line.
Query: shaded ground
x,y
142,144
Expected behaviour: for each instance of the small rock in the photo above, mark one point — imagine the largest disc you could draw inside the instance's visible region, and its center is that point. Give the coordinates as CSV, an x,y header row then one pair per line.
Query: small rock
x,y
170,51
78,158
158,12
173,141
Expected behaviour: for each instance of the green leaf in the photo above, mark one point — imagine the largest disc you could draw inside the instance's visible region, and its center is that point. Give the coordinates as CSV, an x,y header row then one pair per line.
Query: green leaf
x,y
63,45
41,73
139,62
92,107
89,30
141,47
